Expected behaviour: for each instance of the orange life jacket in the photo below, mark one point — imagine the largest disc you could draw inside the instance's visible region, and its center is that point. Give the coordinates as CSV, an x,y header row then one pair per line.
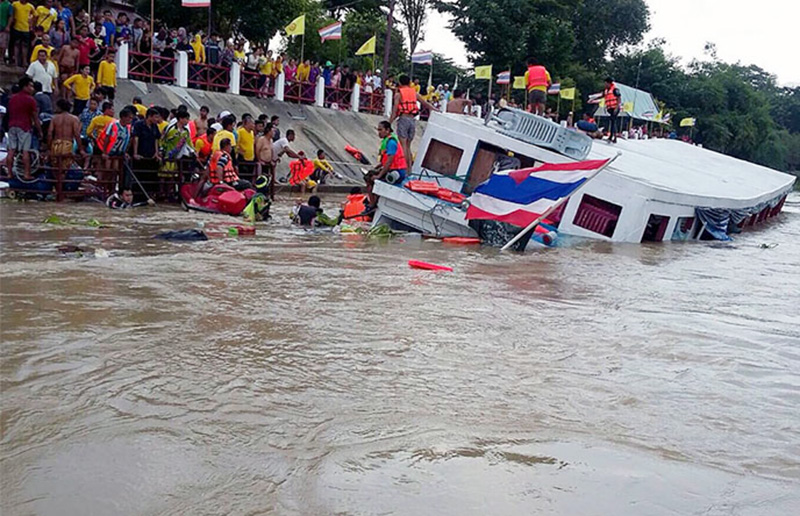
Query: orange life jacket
x,y
612,102
537,76
213,176
408,101
354,206
399,161
299,170
205,150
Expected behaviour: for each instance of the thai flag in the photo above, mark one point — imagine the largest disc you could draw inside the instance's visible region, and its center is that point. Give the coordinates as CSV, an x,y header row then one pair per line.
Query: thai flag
x,y
504,78
423,58
195,3
519,197
595,98
554,89
332,31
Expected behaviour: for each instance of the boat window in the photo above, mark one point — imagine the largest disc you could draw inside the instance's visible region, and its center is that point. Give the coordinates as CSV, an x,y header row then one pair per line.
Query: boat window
x,y
442,158
683,229
655,228
597,215
486,158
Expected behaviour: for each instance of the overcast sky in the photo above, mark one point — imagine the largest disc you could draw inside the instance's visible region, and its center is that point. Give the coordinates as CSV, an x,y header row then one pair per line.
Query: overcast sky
x,y
761,32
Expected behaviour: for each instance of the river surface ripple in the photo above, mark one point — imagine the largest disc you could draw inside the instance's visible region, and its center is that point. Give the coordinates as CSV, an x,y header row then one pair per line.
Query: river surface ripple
x,y
299,373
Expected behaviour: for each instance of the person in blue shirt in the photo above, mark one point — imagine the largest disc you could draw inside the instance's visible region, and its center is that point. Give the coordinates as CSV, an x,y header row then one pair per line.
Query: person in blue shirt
x,y
326,73
111,28
65,13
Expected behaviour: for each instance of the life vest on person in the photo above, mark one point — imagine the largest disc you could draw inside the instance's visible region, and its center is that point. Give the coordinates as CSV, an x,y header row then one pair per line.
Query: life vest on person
x,y
399,160
408,101
299,170
537,76
205,151
354,206
108,136
612,102
213,175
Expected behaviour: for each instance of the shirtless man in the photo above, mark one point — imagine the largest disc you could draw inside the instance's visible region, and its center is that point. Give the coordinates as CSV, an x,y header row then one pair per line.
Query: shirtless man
x,y
65,129
68,59
201,122
264,155
459,103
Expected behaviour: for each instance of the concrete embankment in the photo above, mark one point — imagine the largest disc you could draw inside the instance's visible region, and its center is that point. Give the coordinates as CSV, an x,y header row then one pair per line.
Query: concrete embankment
x,y
315,127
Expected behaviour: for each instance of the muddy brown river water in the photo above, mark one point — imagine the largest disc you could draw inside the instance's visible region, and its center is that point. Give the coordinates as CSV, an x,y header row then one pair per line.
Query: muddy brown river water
x,y
295,373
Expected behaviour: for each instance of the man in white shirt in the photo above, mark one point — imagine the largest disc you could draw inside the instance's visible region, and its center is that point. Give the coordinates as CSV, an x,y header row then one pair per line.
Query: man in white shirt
x,y
281,147
376,78
43,72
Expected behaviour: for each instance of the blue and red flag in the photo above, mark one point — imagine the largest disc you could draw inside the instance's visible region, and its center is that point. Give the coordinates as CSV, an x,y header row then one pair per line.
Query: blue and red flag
x,y
504,77
332,31
519,197
424,57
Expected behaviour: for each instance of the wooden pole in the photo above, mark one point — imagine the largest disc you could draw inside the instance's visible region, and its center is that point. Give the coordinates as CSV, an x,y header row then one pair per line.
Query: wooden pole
x,y
152,33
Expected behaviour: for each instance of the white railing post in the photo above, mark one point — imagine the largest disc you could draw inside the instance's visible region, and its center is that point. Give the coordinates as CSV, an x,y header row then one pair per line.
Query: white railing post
x,y
355,98
280,87
122,61
319,93
443,105
235,81
182,69
387,102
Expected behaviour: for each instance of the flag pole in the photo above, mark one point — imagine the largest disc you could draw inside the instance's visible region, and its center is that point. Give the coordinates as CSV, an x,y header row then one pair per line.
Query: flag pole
x,y
303,40
209,21
554,207
152,33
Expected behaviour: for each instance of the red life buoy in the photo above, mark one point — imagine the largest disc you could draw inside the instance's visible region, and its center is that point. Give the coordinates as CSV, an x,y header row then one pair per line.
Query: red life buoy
x,y
416,264
461,240
423,187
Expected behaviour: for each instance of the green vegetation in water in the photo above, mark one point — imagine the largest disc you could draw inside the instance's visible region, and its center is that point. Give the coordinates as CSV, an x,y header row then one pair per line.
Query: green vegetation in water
x,y
57,220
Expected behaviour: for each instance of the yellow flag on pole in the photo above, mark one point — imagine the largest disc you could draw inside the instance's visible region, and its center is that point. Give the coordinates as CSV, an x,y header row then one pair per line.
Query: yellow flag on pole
x,y
568,93
627,107
688,122
367,48
483,72
519,82
297,27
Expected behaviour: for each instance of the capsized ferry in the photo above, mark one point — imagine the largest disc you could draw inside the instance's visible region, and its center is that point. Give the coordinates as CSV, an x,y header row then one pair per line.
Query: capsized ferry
x,y
657,189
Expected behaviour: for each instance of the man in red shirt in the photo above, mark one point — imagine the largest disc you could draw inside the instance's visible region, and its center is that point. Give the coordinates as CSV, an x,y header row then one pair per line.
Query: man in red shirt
x,y
23,115
87,47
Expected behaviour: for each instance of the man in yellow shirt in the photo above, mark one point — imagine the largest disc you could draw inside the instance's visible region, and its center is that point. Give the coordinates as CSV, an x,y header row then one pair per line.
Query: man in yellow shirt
x,y
303,70
82,86
107,76
141,109
247,139
46,15
23,21
44,45
99,122
226,133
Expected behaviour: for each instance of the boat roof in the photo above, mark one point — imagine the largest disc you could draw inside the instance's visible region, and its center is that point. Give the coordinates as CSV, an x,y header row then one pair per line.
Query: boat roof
x,y
695,175
674,171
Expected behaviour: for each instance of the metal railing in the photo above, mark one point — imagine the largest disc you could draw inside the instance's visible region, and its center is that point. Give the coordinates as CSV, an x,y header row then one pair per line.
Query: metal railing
x,y
254,84
146,67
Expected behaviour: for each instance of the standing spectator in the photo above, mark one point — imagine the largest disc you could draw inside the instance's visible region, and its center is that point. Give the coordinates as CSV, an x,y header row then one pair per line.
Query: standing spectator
x,y
44,103
369,83
59,35
123,30
347,79
5,18
226,133
65,13
45,15
68,59
246,139
22,14
82,86
44,72
184,45
238,52
276,132
113,143
227,56
44,45
613,99
86,46
88,114
336,78
23,116
145,145
198,48
110,29
146,41
107,76
137,31
160,41
327,74
406,102
176,143
212,50
303,71
313,73
82,19
99,121
290,71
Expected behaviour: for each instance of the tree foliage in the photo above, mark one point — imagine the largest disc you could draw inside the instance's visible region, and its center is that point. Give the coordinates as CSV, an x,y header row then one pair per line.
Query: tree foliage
x,y
414,14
